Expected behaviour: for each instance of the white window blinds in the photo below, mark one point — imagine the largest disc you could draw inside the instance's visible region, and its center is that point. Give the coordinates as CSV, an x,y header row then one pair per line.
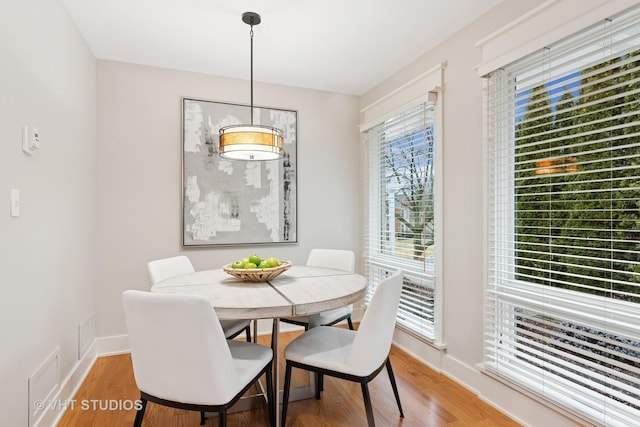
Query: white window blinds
x,y
563,286
400,227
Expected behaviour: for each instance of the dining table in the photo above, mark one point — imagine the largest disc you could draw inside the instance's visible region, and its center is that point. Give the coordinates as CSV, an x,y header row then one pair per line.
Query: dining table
x,y
298,291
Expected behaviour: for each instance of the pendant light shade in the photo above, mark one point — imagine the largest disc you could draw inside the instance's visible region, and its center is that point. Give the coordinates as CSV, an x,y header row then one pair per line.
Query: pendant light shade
x,y
251,142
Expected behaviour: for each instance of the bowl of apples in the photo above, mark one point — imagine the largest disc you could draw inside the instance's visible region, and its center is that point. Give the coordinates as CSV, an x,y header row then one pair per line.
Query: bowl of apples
x,y
256,269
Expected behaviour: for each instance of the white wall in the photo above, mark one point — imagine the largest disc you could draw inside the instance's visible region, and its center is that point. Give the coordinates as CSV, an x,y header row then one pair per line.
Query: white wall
x,y
139,174
463,213
47,79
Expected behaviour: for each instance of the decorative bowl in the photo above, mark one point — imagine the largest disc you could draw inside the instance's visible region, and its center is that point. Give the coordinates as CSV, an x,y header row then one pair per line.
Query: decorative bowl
x,y
257,274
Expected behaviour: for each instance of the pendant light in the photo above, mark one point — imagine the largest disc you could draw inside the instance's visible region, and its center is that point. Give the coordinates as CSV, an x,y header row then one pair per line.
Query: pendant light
x,y
251,142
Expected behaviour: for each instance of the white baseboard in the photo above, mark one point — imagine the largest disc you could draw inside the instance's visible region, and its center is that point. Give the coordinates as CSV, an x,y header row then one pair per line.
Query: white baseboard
x,y
70,385
463,374
109,346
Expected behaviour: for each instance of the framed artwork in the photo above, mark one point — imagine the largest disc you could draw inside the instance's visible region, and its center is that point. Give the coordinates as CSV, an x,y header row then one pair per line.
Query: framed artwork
x,y
235,202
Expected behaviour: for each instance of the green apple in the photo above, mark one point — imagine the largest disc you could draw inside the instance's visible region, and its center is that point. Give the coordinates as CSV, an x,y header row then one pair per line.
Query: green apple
x,y
245,260
273,262
237,264
255,259
250,265
264,264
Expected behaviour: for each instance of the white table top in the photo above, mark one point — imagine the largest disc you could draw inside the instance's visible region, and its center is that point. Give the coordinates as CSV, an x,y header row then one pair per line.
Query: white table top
x,y
298,291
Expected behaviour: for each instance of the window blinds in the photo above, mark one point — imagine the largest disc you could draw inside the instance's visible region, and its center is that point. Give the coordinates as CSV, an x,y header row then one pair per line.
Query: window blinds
x,y
563,286
400,227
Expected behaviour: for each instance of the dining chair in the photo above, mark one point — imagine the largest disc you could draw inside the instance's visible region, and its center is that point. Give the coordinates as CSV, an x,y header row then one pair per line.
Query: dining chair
x,y
165,268
182,359
351,355
328,258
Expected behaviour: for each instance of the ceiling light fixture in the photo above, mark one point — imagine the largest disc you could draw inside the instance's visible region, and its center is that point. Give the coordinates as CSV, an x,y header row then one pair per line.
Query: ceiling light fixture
x,y
251,142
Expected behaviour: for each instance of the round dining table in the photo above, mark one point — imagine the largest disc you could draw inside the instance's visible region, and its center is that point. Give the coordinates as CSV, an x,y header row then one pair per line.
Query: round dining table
x,y
298,291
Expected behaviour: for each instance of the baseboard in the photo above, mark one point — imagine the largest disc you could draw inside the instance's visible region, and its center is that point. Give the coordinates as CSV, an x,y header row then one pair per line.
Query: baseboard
x,y
109,346
56,408
461,373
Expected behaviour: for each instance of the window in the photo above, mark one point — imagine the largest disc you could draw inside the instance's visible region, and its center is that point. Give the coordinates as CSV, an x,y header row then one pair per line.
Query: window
x,y
401,221
563,285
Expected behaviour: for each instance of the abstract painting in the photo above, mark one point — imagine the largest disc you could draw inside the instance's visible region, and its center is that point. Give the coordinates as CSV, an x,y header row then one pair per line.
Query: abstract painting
x,y
235,202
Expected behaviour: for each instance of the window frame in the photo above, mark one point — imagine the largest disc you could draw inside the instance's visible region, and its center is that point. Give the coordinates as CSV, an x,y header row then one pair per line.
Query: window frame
x,y
579,308
428,333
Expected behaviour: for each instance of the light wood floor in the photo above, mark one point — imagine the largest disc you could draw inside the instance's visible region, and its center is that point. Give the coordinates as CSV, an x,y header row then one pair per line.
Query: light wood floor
x,y
428,399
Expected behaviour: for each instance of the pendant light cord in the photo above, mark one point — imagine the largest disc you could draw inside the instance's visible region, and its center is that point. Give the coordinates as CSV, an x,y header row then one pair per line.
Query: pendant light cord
x,y
251,34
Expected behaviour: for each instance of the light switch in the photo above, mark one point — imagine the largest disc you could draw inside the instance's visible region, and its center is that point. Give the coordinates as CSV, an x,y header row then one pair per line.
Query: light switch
x,y
15,202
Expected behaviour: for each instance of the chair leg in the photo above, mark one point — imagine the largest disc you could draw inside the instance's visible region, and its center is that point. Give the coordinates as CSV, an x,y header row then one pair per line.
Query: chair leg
x,y
202,418
367,403
222,418
248,330
140,413
271,402
350,323
285,397
392,378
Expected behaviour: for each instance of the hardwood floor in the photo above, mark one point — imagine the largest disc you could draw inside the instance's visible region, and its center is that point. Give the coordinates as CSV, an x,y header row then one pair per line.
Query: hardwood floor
x,y
428,399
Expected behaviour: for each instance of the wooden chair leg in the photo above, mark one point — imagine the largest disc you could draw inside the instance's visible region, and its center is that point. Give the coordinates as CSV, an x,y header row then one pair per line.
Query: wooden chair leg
x,y
392,378
367,403
140,413
285,397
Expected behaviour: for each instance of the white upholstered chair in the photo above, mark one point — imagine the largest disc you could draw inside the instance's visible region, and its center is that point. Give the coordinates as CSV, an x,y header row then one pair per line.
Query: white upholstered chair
x,y
182,359
351,355
165,268
329,258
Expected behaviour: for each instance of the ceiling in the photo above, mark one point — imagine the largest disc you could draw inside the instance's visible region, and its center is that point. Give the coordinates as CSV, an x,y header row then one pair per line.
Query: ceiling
x,y
343,46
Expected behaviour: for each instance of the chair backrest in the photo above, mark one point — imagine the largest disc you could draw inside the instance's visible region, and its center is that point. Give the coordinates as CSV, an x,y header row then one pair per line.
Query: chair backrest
x,y
332,258
372,342
178,348
165,268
